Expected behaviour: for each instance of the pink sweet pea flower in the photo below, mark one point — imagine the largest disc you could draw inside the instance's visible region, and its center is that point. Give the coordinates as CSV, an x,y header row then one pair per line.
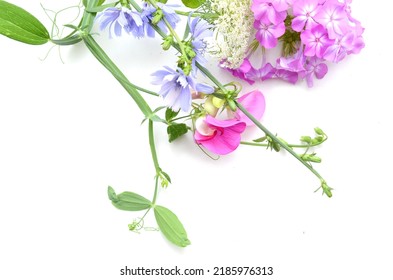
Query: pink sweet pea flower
x,y
254,102
219,136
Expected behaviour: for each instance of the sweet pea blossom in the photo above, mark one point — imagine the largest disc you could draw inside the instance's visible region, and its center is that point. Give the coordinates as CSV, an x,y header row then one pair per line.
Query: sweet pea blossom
x,y
315,67
254,102
176,88
219,136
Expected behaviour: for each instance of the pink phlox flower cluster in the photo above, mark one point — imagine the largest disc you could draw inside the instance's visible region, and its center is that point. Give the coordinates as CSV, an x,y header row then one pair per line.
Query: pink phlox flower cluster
x,y
327,32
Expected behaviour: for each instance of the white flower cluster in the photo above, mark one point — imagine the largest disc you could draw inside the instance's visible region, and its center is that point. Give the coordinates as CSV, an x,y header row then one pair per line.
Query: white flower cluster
x,y
233,30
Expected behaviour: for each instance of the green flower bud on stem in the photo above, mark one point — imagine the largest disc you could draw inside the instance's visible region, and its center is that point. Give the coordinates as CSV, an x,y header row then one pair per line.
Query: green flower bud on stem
x,y
311,158
168,41
158,15
326,189
306,139
319,131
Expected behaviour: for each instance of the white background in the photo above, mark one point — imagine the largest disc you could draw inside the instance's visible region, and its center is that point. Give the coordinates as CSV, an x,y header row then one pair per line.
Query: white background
x,y
67,131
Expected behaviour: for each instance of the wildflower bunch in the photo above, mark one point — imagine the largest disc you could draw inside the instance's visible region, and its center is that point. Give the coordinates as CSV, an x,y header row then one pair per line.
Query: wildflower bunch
x,y
310,32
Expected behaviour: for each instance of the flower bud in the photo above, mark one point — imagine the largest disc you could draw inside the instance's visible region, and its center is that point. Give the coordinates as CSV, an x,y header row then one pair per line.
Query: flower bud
x,y
319,131
327,190
306,139
168,40
311,158
158,15
218,102
189,51
209,106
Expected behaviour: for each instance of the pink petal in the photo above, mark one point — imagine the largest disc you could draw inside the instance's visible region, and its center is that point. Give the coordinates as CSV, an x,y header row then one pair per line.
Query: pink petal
x,y
254,102
226,137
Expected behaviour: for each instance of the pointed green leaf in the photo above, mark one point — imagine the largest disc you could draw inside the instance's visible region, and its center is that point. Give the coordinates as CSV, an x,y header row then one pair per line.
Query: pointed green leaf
x,y
193,4
176,130
170,114
128,201
171,227
20,25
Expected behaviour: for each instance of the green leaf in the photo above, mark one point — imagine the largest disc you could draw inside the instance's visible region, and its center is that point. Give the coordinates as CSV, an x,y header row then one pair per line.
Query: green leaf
x,y
170,114
171,227
163,1
193,4
260,140
112,194
128,201
22,26
176,130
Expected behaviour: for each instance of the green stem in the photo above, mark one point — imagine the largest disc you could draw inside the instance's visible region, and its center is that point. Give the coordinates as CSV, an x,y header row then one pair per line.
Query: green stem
x,y
155,160
192,14
88,18
153,148
67,41
280,142
304,146
211,77
155,194
102,57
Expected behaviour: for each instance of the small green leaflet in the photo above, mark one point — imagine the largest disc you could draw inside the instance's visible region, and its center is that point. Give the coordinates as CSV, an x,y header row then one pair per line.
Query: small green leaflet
x,y
22,26
193,4
128,201
176,130
170,114
171,227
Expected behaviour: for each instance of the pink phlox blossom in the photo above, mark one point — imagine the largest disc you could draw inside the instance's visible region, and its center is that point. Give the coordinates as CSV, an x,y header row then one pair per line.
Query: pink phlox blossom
x,y
339,50
333,17
316,41
315,67
267,10
242,71
264,73
286,75
304,12
294,63
267,33
219,136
